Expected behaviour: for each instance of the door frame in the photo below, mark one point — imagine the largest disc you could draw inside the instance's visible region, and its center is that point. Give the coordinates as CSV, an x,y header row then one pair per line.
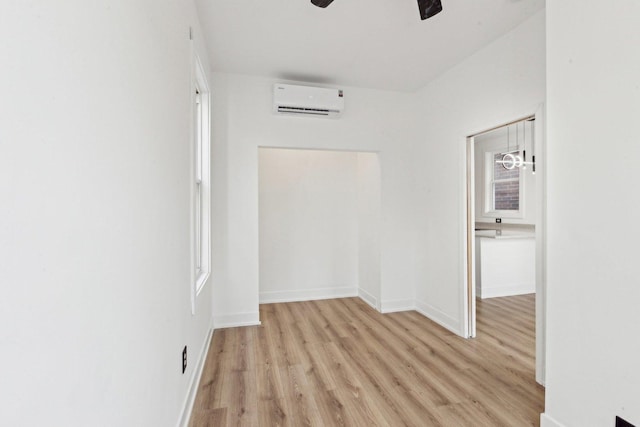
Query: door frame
x,y
469,273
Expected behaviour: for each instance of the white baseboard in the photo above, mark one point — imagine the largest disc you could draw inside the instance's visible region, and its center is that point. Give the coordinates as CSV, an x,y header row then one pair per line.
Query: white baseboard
x,y
547,421
439,317
307,294
369,299
393,306
236,320
194,382
507,291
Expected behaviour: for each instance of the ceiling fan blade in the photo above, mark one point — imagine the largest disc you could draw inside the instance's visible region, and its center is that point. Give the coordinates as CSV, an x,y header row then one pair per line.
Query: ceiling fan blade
x,y
321,3
428,8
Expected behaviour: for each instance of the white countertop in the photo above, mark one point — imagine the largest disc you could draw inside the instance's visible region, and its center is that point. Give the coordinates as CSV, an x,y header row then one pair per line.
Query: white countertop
x,y
505,234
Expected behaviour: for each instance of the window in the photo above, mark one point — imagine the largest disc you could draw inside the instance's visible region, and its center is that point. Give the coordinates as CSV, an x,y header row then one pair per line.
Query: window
x,y
201,218
503,187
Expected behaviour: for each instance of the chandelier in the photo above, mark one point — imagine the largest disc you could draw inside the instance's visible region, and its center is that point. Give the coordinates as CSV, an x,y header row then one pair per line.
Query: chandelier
x,y
509,159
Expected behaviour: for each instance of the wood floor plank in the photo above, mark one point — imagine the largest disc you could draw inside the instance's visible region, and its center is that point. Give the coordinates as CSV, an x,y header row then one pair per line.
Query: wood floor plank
x,y
240,399
343,374
299,397
209,418
272,412
318,370
386,383
341,363
363,410
332,410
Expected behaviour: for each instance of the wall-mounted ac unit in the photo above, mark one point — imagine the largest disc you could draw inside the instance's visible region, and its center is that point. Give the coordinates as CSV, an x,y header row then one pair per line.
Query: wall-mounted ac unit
x,y
307,100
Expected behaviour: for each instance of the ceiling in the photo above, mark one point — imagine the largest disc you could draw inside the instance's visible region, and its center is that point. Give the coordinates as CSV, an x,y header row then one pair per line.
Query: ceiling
x,y
380,44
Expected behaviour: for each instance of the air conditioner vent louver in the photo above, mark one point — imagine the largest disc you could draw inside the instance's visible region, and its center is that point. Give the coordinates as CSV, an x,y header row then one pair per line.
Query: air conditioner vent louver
x,y
300,110
306,100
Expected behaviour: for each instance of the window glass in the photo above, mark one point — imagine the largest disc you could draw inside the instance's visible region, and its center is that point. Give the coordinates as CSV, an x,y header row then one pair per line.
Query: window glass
x,y
505,186
201,181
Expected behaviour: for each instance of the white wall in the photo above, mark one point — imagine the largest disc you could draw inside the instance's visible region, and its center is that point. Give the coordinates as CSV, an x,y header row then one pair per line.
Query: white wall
x,y
369,228
95,213
308,206
503,82
374,121
505,266
496,141
593,209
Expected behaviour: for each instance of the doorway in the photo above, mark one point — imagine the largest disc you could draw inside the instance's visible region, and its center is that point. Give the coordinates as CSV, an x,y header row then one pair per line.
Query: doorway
x,y
505,235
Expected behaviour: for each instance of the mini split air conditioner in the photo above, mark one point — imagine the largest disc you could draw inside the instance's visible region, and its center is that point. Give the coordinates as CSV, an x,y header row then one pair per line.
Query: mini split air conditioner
x,y
307,101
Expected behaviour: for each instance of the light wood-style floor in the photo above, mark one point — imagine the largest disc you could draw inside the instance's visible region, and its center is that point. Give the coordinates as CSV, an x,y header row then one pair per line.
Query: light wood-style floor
x,y
341,363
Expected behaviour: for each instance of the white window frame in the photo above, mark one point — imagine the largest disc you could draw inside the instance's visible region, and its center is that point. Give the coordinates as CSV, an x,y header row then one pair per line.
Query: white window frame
x,y
201,180
489,194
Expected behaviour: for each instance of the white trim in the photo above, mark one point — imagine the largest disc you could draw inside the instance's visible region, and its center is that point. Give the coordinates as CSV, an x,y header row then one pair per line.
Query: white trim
x,y
541,244
547,421
440,317
468,321
200,200
541,250
368,298
201,280
194,382
393,306
237,320
307,294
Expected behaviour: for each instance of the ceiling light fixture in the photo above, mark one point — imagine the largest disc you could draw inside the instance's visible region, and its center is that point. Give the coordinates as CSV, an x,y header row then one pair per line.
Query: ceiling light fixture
x,y
510,160
321,3
427,8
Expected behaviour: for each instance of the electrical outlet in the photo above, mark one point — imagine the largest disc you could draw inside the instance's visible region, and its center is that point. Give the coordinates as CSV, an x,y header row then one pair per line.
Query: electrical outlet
x,y
498,220
184,359
623,423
